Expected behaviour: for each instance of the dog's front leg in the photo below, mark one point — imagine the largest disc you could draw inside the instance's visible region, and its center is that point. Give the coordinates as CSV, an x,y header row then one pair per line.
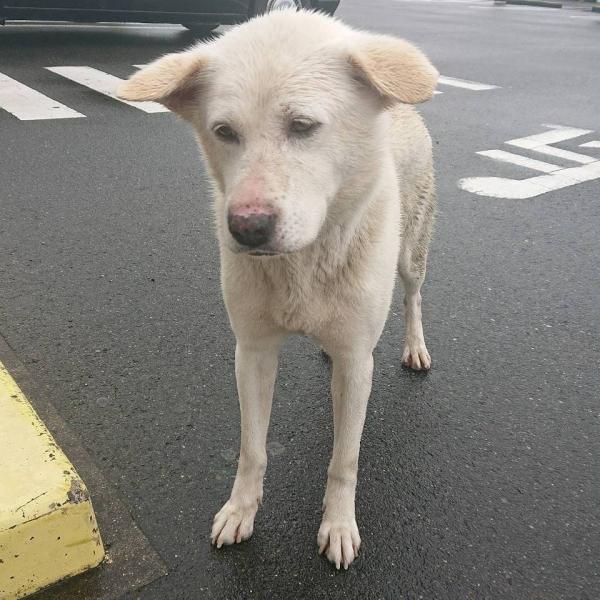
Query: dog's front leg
x,y
350,389
255,369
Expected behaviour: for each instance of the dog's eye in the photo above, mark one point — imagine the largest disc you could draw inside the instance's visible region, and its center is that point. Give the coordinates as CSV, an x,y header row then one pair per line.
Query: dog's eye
x,y
303,127
226,133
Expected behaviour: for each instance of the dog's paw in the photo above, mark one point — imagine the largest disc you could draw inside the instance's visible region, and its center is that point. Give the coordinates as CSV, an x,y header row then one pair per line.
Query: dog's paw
x,y
340,541
232,524
416,357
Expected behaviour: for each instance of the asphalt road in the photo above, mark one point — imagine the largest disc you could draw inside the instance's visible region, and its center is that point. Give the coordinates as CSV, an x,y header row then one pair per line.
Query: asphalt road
x,y
478,480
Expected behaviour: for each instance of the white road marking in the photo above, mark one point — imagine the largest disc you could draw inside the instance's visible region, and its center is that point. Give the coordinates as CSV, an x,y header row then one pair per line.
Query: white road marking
x,y
557,133
522,161
28,105
103,83
566,154
592,144
465,84
556,177
499,187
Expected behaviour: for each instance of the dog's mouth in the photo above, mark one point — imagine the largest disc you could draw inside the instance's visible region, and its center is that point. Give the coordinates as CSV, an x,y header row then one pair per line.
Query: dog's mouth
x,y
262,253
254,252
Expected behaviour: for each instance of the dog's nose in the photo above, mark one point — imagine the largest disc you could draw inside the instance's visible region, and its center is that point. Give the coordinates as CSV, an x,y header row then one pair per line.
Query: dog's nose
x,y
253,229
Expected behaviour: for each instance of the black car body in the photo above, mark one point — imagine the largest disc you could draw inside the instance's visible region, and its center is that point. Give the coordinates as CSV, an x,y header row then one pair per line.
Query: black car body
x,y
140,11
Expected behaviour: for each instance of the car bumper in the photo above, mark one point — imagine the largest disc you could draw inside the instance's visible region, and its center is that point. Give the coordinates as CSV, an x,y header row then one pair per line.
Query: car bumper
x,y
328,6
179,11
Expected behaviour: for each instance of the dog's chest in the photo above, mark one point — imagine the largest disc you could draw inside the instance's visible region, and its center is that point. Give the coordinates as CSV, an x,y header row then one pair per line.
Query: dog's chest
x,y
298,304
307,293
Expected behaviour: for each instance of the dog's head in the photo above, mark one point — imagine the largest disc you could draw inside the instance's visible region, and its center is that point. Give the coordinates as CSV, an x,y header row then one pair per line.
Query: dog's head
x,y
287,108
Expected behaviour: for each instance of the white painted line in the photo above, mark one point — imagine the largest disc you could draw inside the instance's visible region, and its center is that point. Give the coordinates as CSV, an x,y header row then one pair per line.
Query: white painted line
x,y
566,154
522,161
540,143
28,105
465,84
557,133
103,83
438,92
592,144
499,187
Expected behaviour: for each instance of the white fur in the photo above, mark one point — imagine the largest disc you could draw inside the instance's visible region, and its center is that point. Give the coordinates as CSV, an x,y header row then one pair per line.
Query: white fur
x,y
355,203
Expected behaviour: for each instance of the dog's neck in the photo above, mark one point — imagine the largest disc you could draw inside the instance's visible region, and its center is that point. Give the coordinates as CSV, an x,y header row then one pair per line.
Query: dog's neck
x,y
345,238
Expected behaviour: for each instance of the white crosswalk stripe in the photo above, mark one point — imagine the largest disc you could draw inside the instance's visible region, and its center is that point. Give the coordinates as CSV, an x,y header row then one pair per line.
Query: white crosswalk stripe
x,y
103,83
28,105
521,161
474,86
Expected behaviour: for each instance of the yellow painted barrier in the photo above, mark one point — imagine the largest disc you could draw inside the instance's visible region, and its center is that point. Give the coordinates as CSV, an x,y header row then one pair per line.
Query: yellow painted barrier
x,y
48,529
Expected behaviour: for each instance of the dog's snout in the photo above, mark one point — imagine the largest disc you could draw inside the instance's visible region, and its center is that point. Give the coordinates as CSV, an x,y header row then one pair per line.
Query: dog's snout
x,y
251,229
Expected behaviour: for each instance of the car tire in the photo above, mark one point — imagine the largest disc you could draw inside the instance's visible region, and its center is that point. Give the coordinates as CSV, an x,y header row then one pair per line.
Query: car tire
x,y
263,6
201,29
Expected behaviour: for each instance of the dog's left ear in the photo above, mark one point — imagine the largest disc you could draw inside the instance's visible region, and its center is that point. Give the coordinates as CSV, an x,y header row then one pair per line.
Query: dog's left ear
x,y
394,68
173,80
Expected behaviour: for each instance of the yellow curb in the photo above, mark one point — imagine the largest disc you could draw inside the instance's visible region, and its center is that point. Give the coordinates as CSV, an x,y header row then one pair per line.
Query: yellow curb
x,y
48,529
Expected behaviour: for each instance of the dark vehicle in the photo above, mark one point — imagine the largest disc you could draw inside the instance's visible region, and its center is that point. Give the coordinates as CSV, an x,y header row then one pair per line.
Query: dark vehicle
x,y
200,16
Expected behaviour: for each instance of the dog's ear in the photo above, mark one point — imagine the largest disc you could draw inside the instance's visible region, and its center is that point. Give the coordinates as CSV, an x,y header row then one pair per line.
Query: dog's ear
x,y
173,80
394,68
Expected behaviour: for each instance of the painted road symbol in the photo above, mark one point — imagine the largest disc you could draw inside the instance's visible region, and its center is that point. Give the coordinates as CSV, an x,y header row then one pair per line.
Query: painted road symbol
x,y
555,177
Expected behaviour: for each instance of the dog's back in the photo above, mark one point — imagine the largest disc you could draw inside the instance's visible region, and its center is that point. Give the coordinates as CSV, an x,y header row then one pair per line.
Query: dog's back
x,y
413,154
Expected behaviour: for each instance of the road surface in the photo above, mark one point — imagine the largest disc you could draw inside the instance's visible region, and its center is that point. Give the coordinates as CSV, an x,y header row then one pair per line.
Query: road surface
x,y
477,480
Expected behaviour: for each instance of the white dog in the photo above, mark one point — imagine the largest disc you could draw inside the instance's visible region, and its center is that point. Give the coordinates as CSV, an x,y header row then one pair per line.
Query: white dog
x,y
323,189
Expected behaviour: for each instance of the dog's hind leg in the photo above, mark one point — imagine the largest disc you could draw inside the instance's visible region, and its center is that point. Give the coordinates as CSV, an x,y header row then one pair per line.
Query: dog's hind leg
x,y
255,369
418,212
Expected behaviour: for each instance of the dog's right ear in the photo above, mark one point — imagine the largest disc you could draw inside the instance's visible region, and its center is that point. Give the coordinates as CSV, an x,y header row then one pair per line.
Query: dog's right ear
x,y
173,80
